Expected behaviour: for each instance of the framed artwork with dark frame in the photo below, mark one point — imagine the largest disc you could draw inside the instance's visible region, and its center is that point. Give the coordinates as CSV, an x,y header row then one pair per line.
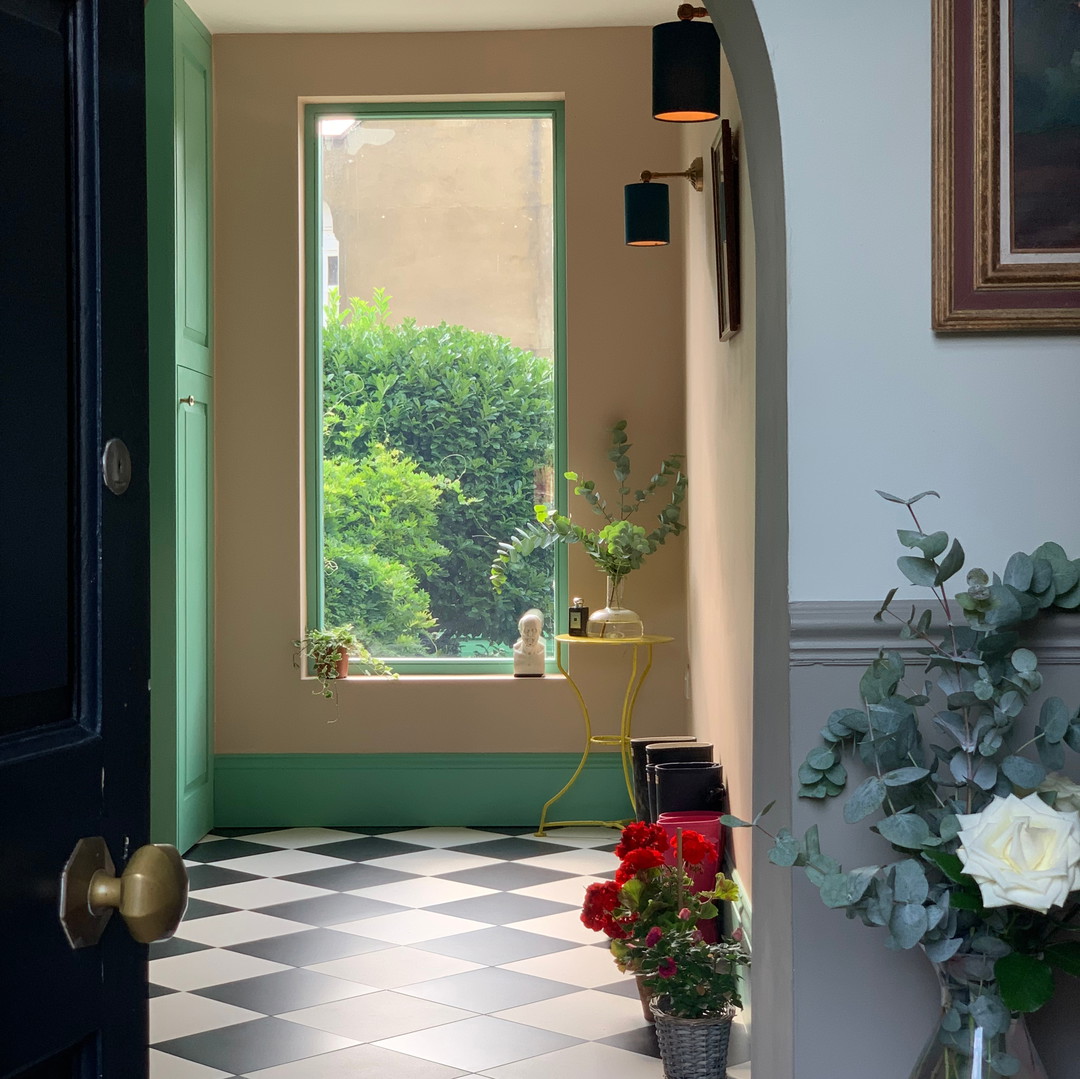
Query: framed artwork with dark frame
x,y
1006,141
725,192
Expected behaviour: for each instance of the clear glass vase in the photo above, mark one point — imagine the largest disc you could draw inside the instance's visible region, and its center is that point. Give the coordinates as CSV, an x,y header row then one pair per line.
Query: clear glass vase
x,y
976,1037
614,620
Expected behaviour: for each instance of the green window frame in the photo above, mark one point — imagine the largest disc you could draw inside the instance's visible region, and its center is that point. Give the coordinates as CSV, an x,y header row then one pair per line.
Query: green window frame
x,y
313,450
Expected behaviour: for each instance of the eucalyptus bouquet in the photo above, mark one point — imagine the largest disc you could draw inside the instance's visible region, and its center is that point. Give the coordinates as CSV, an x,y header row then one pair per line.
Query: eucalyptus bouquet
x,y
648,900
620,545
983,860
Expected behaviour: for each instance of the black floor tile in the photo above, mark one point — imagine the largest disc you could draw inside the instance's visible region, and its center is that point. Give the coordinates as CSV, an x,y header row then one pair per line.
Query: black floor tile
x,y
162,949
202,908
503,829
364,848
507,876
211,876
223,849
344,878
624,987
510,848
247,1047
234,833
500,908
326,910
159,991
496,945
285,991
639,1040
370,829
310,947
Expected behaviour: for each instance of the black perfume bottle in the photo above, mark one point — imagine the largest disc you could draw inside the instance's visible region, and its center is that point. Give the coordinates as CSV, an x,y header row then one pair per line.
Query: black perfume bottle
x,y
579,618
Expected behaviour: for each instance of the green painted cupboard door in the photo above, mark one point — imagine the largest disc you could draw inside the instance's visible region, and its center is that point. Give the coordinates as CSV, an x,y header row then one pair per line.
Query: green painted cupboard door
x,y
194,588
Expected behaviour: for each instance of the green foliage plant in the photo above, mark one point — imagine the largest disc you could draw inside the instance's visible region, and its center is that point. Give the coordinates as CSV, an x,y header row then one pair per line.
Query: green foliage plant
x,y
998,960
691,977
474,414
620,545
323,648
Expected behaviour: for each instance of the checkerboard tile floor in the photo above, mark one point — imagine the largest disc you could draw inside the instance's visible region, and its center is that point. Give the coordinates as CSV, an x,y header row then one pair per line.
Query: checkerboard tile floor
x,y
397,953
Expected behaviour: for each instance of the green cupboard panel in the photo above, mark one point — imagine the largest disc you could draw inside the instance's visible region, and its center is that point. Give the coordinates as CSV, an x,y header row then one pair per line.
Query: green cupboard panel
x,y
194,689
193,194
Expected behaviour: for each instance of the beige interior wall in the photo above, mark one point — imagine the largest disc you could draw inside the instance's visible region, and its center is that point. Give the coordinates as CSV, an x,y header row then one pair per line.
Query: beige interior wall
x,y
721,432
625,359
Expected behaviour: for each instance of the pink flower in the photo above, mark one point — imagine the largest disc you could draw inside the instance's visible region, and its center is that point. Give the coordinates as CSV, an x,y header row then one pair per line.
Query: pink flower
x,y
697,936
666,968
652,938
737,934
684,914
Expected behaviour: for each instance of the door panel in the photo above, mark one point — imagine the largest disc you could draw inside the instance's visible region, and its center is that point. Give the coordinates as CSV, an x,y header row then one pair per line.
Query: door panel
x,y
194,700
73,570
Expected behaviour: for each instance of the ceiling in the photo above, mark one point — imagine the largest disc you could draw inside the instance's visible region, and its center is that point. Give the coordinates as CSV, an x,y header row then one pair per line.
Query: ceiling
x,y
382,16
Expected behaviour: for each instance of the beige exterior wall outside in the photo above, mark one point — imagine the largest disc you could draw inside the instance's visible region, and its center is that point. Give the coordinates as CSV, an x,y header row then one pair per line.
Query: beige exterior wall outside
x,y
625,357
721,435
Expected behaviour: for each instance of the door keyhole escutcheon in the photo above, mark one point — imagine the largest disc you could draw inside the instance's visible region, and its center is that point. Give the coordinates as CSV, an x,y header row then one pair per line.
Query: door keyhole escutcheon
x,y
116,466
151,893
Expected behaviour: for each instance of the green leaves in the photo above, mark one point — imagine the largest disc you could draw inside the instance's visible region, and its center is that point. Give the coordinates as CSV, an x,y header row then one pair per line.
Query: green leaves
x,y
867,799
1026,983
907,830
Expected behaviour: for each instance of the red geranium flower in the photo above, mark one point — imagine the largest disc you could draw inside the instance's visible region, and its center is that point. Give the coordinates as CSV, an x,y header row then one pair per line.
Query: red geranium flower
x,y
695,847
640,834
666,967
600,900
637,860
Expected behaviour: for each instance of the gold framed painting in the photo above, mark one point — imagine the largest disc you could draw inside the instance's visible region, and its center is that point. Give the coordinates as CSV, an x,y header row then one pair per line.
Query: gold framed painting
x,y
1006,154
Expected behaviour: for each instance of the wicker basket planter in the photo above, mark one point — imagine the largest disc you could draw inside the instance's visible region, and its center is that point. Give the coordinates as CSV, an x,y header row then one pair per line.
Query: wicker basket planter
x,y
693,1048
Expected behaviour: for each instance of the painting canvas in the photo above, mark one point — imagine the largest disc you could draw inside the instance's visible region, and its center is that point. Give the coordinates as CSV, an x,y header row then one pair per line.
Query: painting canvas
x,y
1006,164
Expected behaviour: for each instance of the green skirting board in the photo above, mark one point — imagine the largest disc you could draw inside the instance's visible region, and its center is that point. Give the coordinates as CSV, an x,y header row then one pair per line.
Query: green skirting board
x,y
325,789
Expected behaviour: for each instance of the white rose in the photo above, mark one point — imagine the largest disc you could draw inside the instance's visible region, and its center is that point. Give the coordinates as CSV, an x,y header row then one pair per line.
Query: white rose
x,y
1068,792
1021,852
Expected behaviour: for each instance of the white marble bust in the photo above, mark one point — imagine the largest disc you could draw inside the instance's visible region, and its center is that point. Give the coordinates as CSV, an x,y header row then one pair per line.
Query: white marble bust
x,y
529,652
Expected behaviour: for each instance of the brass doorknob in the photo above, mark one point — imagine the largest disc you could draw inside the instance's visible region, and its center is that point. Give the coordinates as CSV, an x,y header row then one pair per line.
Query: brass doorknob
x,y
151,894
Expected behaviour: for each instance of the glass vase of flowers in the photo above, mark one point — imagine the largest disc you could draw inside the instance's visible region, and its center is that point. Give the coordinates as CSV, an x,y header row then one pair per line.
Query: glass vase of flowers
x,y
982,856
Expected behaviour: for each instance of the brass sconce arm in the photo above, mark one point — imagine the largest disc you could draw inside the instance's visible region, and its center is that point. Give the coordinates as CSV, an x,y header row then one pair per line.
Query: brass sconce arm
x,y
695,174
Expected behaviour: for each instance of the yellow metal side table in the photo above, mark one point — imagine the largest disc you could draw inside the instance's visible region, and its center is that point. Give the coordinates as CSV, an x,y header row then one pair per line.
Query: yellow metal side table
x,y
638,674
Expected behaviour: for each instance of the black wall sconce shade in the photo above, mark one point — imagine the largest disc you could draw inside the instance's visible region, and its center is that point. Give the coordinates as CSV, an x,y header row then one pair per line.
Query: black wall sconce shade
x,y
647,221
686,71
647,218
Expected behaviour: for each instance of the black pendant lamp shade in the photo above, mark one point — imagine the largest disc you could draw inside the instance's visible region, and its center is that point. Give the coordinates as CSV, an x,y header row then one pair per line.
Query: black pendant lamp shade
x,y
686,71
646,214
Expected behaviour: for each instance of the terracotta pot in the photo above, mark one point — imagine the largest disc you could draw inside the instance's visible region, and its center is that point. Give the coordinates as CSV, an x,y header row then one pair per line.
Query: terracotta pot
x,y
343,664
644,995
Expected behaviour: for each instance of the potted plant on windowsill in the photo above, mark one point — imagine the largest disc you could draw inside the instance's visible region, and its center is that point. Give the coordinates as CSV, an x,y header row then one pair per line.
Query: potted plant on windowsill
x,y
618,547
330,651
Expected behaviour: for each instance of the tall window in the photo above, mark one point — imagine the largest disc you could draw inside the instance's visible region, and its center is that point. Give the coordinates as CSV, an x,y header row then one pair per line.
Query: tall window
x,y
435,358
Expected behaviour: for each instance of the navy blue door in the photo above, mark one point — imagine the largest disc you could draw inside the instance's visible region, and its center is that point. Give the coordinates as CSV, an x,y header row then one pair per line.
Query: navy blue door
x,y
74,637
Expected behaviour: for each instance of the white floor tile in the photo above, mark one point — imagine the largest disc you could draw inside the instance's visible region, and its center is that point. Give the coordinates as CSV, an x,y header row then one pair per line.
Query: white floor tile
x,y
281,863
196,970
237,927
410,926
359,1062
578,837
739,1071
442,837
432,862
586,1061
587,967
291,838
258,893
377,1015
570,890
211,838
585,861
476,1044
566,925
588,1015
422,892
180,1014
394,967
166,1066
